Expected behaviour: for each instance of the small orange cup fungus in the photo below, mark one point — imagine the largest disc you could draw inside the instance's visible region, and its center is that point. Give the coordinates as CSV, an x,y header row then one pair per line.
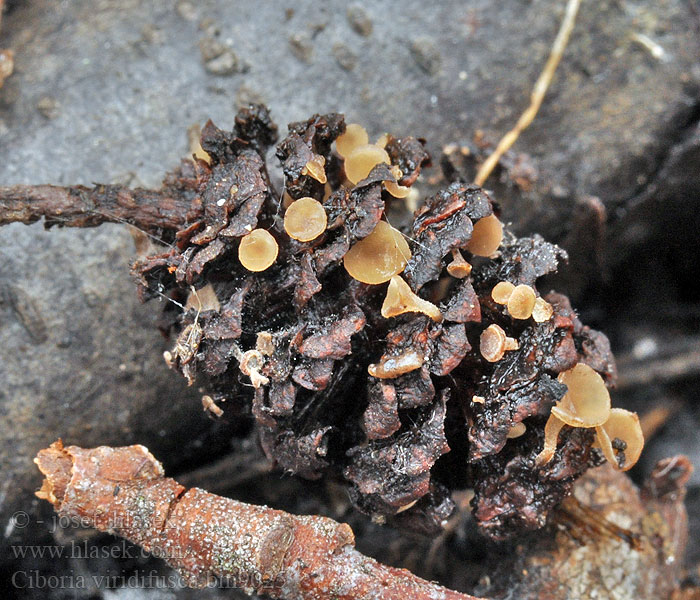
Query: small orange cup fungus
x,y
401,299
501,292
257,250
486,237
459,268
585,404
305,219
382,140
521,302
378,257
621,439
551,436
516,431
362,160
587,400
542,311
494,342
396,190
316,168
355,135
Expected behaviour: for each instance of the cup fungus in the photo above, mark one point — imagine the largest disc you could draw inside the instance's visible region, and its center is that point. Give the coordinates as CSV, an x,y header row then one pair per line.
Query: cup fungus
x,y
305,219
317,330
587,400
378,257
521,302
396,190
542,311
362,160
355,135
551,435
393,366
401,299
459,268
257,250
316,168
501,292
516,431
494,342
585,404
486,237
621,439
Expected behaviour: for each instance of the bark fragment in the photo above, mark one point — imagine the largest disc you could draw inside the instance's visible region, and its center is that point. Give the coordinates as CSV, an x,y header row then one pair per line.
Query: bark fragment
x,y
342,391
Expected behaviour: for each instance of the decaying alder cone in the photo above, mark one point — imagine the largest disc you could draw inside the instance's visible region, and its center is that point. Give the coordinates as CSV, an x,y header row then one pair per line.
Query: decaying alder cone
x,y
295,343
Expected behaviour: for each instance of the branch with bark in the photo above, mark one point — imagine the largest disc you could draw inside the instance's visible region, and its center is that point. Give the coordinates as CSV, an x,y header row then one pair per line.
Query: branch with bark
x,y
203,536
80,206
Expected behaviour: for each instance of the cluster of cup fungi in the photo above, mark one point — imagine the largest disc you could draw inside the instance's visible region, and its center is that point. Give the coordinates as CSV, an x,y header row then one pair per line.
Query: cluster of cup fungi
x,y
407,364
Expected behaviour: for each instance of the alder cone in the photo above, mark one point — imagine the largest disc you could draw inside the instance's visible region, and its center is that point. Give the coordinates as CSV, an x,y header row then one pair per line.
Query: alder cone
x,y
402,443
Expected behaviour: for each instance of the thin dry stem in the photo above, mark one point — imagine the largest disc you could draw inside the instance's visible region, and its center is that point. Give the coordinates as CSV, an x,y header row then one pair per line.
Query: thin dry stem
x,y
80,206
538,93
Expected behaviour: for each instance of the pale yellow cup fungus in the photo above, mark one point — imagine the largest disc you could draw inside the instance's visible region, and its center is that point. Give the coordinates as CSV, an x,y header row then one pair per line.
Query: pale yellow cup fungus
x,y
587,400
400,299
362,160
585,404
378,257
621,439
355,135
521,302
458,268
516,431
494,342
542,311
486,237
316,168
258,250
501,292
396,190
305,219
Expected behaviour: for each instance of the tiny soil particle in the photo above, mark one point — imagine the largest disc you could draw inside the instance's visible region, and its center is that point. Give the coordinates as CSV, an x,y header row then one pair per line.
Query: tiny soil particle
x,y
186,10
48,107
218,58
359,20
426,54
345,57
301,47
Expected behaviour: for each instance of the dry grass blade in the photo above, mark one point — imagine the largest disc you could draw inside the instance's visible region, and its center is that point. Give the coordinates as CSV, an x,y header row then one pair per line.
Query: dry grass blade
x,y
538,92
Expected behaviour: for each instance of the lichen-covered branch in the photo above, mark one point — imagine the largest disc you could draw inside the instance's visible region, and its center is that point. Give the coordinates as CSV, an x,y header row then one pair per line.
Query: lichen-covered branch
x,y
123,490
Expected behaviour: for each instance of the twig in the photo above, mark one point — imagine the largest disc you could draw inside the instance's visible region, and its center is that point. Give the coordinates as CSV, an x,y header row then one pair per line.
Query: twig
x,y
655,418
680,360
538,92
230,471
204,536
80,206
